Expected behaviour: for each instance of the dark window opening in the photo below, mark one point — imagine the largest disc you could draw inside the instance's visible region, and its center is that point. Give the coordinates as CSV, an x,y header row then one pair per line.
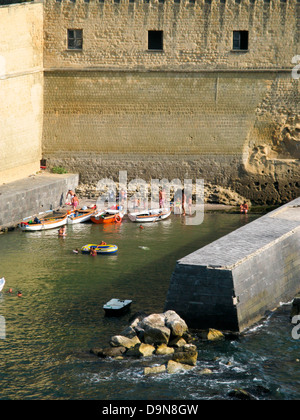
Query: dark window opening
x,y
75,39
155,40
240,40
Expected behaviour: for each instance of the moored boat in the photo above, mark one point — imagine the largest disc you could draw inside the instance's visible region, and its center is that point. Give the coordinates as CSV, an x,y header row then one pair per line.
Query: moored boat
x,y
80,216
2,283
117,307
106,249
37,224
106,217
147,216
115,209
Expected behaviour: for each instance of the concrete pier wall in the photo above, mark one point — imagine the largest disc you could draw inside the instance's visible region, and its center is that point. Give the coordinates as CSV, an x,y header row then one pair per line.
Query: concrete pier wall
x,y
232,283
33,195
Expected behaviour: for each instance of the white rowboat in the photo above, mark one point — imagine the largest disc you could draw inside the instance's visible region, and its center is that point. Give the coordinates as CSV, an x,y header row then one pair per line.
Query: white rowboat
x,y
80,216
2,283
148,216
117,307
43,224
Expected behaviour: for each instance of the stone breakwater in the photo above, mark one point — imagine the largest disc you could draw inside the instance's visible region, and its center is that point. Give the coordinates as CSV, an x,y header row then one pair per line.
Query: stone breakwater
x,y
155,336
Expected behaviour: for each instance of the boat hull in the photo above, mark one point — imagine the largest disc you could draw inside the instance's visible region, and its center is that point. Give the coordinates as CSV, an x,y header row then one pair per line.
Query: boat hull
x,y
117,307
149,216
100,249
107,218
2,283
44,225
83,216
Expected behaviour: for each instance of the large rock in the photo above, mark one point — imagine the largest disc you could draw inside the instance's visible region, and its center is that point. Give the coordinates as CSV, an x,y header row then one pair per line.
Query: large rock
x,y
122,341
112,352
153,320
154,370
141,350
136,318
156,335
186,355
163,350
129,332
176,324
174,367
215,335
154,330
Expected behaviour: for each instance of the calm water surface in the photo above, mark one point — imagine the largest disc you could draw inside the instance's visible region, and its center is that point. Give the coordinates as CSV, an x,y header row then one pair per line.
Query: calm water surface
x,y
50,330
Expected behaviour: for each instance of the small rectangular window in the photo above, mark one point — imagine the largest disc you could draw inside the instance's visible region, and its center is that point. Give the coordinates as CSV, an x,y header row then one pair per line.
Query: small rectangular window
x,y
75,39
155,40
240,40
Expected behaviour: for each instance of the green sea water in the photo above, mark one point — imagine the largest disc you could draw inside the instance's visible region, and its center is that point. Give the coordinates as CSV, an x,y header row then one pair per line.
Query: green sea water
x,y
59,318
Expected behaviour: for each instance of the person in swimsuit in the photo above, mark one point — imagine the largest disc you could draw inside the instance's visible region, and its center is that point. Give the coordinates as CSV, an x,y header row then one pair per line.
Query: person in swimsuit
x,y
75,202
70,193
93,252
62,231
244,208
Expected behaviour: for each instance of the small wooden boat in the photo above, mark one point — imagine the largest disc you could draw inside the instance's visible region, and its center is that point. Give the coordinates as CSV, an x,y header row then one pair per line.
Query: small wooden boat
x,y
100,249
114,209
148,216
2,283
80,216
107,217
37,224
117,307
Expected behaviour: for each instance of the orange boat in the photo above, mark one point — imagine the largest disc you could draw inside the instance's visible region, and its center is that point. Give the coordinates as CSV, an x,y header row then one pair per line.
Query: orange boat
x,y
107,218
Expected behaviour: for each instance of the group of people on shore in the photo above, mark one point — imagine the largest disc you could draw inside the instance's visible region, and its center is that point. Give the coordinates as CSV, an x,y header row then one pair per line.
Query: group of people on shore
x,y
74,202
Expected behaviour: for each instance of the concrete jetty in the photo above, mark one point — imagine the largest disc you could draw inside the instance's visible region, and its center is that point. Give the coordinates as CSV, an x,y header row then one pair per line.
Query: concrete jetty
x,y
233,282
33,195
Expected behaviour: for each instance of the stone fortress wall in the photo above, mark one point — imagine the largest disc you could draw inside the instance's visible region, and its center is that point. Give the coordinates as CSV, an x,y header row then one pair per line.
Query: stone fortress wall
x,y
195,107
21,90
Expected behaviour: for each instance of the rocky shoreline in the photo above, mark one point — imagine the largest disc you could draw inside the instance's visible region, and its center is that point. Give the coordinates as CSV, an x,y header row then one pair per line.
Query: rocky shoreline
x,y
149,336
213,194
165,346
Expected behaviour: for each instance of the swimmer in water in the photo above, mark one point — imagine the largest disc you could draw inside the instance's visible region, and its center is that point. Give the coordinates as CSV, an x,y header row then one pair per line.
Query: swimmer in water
x,y
93,252
62,231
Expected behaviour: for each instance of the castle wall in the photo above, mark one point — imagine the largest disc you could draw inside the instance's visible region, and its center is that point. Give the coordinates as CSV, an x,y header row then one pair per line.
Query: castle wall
x,y
197,34
197,107
21,90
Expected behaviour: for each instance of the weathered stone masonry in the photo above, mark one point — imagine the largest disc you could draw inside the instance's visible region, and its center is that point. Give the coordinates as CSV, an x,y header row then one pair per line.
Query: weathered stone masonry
x,y
21,90
233,282
195,108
